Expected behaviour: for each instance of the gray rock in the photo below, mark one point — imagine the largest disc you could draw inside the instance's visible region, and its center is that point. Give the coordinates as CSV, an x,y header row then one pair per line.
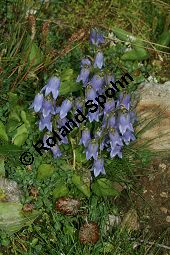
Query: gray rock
x,y
152,101
9,191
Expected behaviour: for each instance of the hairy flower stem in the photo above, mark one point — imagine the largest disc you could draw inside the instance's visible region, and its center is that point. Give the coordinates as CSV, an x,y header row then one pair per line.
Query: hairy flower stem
x,y
74,153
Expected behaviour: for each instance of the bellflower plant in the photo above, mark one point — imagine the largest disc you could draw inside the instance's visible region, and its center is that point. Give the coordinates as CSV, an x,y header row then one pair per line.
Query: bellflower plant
x,y
108,125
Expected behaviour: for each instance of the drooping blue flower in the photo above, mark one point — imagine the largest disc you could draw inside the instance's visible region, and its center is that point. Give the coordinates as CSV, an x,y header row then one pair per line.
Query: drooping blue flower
x,y
124,123
85,62
111,121
98,167
93,116
65,108
90,93
99,60
86,137
109,105
99,39
45,122
96,38
115,138
92,150
116,151
47,108
93,35
56,151
84,75
37,103
97,82
128,137
52,86
123,101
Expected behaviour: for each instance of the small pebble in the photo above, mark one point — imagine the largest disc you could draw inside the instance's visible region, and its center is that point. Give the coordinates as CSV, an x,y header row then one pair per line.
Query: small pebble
x,y
168,218
164,209
164,194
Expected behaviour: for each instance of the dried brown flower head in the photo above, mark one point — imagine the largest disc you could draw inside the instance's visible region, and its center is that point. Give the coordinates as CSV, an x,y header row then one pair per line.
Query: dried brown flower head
x,y
28,208
89,233
67,205
34,192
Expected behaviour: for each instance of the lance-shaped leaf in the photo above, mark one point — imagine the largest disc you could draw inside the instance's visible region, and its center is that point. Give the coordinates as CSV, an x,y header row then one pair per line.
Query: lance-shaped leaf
x,y
164,40
21,135
136,54
121,34
104,187
83,187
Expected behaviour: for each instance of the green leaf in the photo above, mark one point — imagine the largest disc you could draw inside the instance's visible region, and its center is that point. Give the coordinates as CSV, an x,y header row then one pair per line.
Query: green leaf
x,y
12,219
67,87
2,168
15,112
3,134
121,34
12,125
35,56
45,171
125,36
9,149
32,52
164,40
69,230
60,191
78,182
14,116
80,156
136,54
21,135
24,119
104,187
22,129
20,139
68,84
13,99
108,247
67,74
